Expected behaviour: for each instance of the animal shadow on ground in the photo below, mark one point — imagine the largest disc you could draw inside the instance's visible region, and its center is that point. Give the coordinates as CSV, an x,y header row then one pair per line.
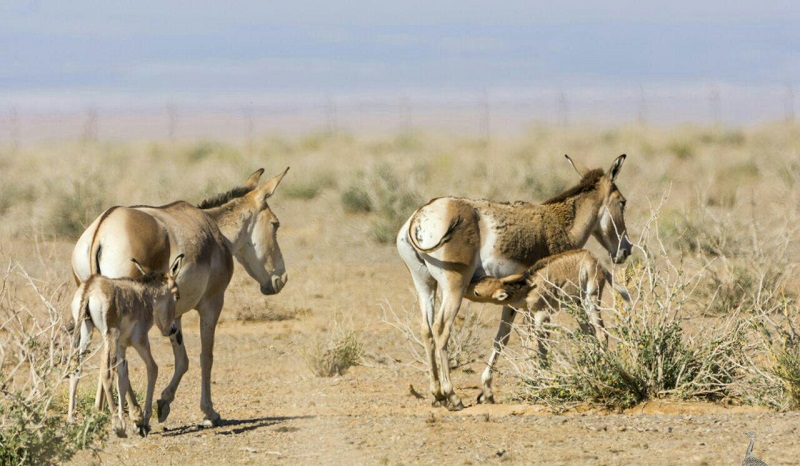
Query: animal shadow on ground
x,y
239,426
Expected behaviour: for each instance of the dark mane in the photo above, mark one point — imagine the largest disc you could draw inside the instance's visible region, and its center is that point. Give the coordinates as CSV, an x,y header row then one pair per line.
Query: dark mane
x,y
224,198
587,183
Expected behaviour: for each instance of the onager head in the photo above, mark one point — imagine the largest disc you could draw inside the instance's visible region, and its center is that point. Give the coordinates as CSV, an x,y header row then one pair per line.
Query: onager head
x,y
165,294
610,229
498,290
261,255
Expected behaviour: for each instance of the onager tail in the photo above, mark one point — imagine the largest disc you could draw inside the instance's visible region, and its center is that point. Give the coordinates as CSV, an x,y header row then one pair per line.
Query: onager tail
x,y
618,288
83,315
454,223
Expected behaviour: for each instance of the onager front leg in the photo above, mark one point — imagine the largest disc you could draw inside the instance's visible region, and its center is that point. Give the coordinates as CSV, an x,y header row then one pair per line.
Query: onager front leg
x,y
181,366
500,342
209,315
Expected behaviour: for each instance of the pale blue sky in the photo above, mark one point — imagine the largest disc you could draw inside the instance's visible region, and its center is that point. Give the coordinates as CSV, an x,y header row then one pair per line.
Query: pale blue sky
x,y
143,48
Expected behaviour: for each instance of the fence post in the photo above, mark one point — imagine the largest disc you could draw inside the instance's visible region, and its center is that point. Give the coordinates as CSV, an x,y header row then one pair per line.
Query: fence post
x,y
562,109
172,121
788,103
642,107
90,125
486,115
715,106
407,112
330,116
14,129
247,112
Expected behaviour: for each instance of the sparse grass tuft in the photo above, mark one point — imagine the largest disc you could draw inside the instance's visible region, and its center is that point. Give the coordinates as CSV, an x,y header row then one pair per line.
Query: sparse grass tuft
x,y
252,312
334,354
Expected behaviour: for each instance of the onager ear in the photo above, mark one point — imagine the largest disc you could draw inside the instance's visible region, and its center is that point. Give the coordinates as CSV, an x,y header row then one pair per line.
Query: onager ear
x,y
616,166
513,278
500,295
138,266
252,181
176,265
581,170
266,190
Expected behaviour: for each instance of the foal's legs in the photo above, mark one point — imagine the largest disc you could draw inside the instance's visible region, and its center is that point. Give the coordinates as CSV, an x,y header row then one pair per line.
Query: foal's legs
x,y
500,341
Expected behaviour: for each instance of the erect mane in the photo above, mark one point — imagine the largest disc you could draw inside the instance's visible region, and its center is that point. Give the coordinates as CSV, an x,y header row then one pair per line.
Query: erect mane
x,y
587,183
220,199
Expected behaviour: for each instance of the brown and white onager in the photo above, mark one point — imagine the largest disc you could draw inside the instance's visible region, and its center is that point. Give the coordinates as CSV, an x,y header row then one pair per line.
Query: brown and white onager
x,y
450,242
576,275
124,310
238,223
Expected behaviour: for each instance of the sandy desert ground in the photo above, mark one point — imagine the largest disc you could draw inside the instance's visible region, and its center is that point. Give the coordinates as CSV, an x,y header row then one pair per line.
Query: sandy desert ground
x,y
276,411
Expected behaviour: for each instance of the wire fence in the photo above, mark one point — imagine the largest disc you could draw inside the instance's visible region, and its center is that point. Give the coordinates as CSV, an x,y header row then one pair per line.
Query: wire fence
x,y
480,114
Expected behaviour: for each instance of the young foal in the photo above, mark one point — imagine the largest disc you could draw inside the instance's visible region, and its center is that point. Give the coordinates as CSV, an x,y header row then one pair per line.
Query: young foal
x,y
124,310
576,275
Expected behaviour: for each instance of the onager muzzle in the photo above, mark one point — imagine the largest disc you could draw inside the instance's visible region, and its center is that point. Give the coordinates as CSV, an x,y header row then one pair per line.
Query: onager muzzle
x,y
275,285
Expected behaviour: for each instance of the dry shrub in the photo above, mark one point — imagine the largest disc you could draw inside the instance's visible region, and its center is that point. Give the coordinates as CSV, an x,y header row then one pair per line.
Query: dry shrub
x,y
76,205
335,353
249,311
650,355
309,187
388,197
35,354
462,348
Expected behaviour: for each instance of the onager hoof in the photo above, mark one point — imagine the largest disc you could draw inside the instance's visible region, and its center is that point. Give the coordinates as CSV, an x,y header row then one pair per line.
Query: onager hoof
x,y
119,429
143,429
162,409
486,399
214,422
457,406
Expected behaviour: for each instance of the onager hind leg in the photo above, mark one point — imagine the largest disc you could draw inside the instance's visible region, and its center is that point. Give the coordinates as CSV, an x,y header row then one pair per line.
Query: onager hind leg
x,y
181,366
107,369
500,342
451,302
143,348
425,286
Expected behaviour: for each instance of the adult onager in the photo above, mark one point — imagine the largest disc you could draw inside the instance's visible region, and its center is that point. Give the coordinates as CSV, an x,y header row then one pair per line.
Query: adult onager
x,y
238,223
123,310
450,242
575,275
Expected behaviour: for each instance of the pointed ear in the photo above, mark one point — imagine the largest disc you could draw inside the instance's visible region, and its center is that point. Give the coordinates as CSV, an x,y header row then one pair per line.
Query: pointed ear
x,y
500,295
513,278
252,181
139,266
268,188
176,265
616,166
581,170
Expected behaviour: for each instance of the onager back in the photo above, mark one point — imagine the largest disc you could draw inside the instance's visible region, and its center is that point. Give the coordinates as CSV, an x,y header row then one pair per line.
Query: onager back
x,y
124,310
450,242
575,275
